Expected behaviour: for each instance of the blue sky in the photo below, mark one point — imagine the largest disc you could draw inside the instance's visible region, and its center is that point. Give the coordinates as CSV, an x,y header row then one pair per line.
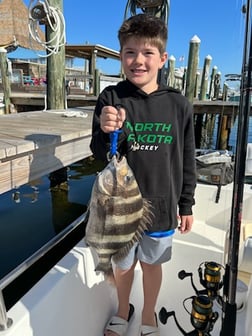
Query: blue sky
x,y
218,23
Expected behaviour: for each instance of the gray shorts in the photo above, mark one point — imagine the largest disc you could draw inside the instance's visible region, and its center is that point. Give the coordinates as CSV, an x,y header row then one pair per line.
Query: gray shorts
x,y
149,250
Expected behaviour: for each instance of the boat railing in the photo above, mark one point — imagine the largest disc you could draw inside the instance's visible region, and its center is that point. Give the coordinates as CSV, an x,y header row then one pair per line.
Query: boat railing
x,y
6,322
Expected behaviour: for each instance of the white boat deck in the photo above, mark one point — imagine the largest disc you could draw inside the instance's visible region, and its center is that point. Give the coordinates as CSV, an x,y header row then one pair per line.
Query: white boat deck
x,y
73,300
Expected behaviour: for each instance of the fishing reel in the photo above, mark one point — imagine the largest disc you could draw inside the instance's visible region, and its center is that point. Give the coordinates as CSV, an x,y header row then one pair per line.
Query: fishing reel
x,y
202,316
210,278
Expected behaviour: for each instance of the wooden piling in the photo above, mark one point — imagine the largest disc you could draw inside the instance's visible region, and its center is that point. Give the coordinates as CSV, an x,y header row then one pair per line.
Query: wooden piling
x,y
192,67
171,71
224,133
225,124
205,77
211,86
5,79
225,91
96,82
199,128
56,84
217,84
196,88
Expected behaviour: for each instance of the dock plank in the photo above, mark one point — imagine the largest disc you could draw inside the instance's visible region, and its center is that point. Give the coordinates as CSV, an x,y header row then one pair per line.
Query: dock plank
x,y
10,146
33,144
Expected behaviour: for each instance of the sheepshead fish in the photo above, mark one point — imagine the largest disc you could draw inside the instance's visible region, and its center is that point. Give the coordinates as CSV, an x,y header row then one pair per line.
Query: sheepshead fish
x,y
118,214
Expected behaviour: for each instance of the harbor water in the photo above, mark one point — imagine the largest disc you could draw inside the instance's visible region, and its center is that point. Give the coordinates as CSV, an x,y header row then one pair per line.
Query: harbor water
x,y
33,214
209,140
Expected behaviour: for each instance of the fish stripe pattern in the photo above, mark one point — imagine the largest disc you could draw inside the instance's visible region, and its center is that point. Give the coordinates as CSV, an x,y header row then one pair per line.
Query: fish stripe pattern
x,y
118,214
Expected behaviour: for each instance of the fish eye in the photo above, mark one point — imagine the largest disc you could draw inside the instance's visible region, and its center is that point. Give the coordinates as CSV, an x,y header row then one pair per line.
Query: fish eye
x,y
108,179
127,178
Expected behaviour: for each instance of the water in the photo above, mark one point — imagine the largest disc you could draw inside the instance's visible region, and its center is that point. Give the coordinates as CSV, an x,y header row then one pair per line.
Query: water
x,y
38,214
233,134
41,214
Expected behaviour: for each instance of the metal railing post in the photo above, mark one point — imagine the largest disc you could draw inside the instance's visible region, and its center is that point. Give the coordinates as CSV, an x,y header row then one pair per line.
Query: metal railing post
x,y
5,322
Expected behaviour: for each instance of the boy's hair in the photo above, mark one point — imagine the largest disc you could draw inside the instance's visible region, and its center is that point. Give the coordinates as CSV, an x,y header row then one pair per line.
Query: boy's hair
x,y
144,26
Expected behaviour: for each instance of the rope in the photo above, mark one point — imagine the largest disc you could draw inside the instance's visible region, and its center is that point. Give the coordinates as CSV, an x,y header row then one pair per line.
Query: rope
x,y
55,20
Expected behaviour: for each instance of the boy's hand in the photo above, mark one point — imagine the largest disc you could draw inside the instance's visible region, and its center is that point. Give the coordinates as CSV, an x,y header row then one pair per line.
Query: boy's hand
x,y
112,118
186,223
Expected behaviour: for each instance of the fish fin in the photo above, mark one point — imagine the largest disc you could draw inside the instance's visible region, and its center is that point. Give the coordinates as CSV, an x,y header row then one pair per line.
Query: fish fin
x,y
147,214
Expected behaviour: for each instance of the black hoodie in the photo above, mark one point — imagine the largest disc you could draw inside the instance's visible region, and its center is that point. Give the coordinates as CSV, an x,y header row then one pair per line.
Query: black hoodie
x,y
158,140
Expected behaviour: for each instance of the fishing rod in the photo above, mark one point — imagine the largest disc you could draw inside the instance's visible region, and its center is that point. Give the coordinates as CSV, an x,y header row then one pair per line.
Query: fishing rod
x,y
230,278
201,303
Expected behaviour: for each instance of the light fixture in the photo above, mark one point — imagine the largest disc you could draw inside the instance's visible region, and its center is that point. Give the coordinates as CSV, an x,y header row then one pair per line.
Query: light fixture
x,y
38,12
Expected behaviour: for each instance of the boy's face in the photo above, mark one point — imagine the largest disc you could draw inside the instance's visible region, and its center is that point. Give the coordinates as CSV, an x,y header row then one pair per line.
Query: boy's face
x,y
141,62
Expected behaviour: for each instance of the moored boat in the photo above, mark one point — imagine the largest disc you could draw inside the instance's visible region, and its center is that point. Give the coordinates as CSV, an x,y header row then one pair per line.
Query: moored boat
x,y
72,299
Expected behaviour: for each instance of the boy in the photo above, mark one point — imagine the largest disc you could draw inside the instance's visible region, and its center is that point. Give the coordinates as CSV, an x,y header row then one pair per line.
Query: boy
x,y
158,140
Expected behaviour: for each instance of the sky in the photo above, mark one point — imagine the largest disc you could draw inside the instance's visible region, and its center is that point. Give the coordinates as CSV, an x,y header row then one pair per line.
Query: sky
x,y
219,24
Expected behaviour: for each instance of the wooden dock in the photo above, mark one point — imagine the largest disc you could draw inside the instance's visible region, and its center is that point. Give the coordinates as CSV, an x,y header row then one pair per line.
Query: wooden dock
x,y
36,100
33,144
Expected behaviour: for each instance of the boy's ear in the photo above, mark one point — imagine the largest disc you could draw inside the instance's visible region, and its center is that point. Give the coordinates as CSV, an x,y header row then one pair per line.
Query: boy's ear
x,y
164,58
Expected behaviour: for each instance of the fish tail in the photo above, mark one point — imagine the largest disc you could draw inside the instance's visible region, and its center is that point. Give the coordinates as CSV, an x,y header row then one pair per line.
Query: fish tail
x,y
110,278
107,271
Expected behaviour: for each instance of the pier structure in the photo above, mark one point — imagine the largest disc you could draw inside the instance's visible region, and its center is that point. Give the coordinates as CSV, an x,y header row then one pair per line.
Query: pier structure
x,y
36,143
18,142
33,144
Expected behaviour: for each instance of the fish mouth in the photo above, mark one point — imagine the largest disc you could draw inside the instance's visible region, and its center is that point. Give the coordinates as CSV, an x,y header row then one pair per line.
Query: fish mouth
x,y
113,176
122,166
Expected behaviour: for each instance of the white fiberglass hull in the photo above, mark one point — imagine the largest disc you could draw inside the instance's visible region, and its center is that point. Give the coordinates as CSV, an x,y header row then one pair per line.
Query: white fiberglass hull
x,y
73,300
